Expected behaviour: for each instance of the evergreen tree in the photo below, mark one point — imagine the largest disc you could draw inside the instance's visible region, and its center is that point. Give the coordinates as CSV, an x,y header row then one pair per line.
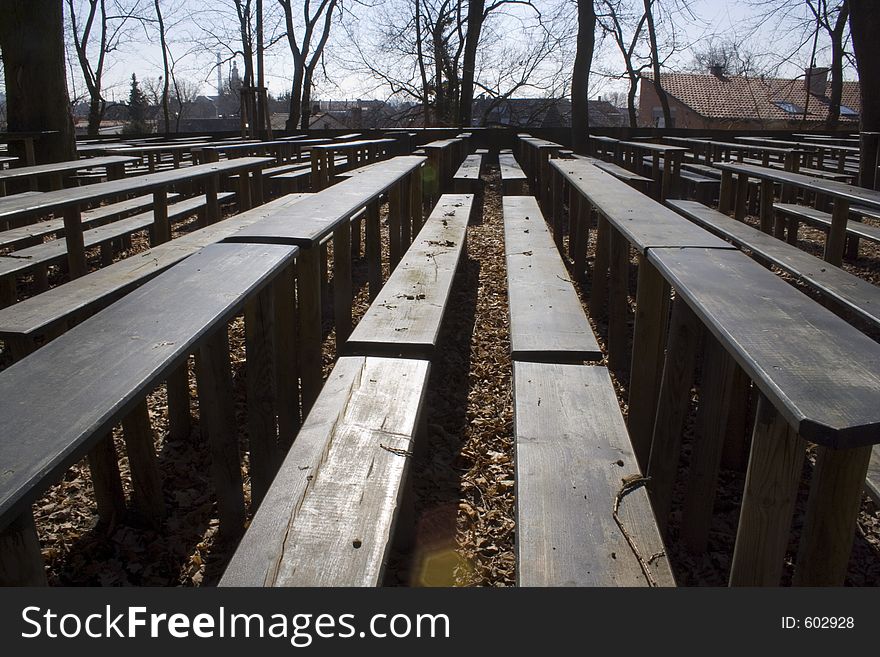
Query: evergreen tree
x,y
137,110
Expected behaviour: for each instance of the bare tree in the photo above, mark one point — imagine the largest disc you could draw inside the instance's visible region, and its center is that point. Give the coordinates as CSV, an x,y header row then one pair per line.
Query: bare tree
x,y
616,19
96,34
586,41
833,19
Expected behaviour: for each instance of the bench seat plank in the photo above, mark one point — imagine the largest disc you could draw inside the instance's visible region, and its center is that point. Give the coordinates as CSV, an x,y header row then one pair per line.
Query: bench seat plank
x,y
329,516
572,453
60,400
405,318
854,293
821,373
45,312
547,320
823,220
643,222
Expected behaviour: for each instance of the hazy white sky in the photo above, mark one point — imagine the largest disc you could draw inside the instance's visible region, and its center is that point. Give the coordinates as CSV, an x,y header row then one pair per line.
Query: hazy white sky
x,y
197,57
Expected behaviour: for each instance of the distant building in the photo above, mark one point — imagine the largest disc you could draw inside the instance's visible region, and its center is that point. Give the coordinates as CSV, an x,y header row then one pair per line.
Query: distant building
x,y
719,101
542,113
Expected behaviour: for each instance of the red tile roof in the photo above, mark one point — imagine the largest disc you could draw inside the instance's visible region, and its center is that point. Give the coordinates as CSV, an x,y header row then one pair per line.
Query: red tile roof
x,y
740,97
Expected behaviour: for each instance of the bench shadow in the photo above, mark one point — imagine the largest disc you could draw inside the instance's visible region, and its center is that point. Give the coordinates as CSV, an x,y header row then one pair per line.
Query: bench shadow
x,y
424,553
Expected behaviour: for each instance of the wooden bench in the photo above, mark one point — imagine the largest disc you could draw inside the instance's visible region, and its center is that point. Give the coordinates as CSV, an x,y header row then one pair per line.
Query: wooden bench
x,y
513,179
55,172
405,318
59,403
547,320
467,179
573,502
36,259
634,180
329,517
49,314
818,379
822,220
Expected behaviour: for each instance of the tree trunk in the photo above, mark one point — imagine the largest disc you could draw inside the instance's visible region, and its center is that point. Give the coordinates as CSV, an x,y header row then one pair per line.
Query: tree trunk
x,y
96,113
32,42
655,64
631,102
580,75
837,66
306,106
474,27
165,68
864,26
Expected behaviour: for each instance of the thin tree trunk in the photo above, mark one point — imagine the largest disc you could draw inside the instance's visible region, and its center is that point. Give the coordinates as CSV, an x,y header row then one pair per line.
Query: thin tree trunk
x,y
655,64
165,68
580,77
32,42
837,66
864,26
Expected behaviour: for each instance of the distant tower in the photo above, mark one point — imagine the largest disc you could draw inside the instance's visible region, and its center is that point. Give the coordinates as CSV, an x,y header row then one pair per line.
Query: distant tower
x,y
219,77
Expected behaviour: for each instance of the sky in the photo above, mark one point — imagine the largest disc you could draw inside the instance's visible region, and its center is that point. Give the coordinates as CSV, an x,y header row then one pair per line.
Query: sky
x,y
196,44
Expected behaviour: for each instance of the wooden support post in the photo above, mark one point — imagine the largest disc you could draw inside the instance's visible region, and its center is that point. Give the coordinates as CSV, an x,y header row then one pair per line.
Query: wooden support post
x,y
599,281
21,563
179,416
649,341
735,453
742,191
574,225
406,227
716,392
73,236
212,210
834,245
256,182
582,237
766,210
217,418
556,184
725,195
685,335
308,287
618,303
161,225
342,284
286,365
772,479
832,513
356,239
395,210
146,480
243,194
106,481
373,249
415,201
259,324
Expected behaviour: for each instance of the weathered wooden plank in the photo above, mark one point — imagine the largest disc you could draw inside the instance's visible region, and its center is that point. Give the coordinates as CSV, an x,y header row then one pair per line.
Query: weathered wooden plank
x,y
329,517
405,319
821,373
547,319
573,457
21,563
61,400
146,480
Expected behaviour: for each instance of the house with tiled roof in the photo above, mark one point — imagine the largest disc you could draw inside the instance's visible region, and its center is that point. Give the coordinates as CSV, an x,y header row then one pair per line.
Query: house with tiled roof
x,y
738,102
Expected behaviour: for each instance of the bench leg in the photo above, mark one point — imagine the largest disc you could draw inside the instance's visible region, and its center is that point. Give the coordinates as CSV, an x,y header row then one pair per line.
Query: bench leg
x,y
685,335
356,239
618,302
342,283
835,244
415,201
832,512
599,280
582,236
556,191
21,563
735,453
212,208
106,481
179,416
791,235
395,212
161,225
373,249
406,228
73,236
146,480
716,392
259,323
574,224
217,418
308,285
766,208
41,278
8,291
742,193
286,365
725,194
649,340
772,479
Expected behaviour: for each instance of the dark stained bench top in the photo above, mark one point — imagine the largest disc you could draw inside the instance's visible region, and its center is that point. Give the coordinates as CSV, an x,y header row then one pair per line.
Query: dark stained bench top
x,y
821,373
20,208
644,222
572,454
64,167
64,397
856,294
547,320
615,170
329,516
823,219
316,217
44,312
405,318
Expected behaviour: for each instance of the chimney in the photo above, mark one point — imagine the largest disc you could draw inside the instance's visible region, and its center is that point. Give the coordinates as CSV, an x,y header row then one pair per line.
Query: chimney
x,y
815,80
717,70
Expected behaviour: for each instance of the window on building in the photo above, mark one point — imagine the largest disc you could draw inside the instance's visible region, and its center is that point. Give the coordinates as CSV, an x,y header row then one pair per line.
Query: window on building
x,y
791,108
